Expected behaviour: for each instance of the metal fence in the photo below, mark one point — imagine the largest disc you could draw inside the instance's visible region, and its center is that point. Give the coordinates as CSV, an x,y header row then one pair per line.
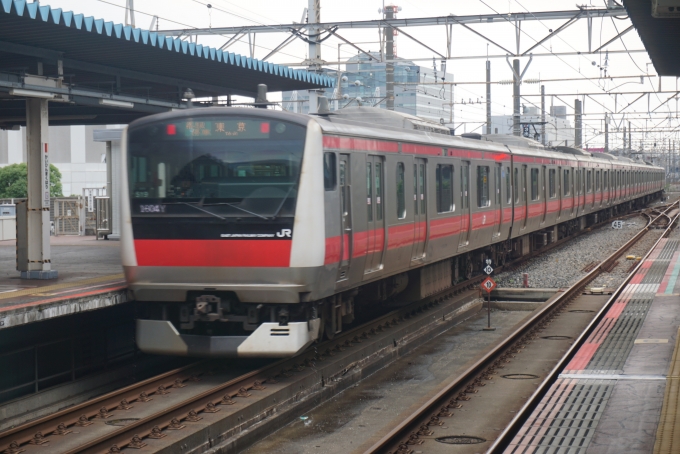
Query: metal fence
x,y
67,216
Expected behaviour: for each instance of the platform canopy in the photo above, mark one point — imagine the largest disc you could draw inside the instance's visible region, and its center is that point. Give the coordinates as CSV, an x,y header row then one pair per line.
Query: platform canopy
x,y
100,72
660,35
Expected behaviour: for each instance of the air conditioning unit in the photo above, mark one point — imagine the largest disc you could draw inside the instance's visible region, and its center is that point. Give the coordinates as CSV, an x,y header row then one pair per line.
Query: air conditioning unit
x,y
666,8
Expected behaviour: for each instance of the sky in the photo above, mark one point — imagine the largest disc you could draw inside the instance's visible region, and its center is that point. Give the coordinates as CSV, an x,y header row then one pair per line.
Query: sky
x,y
585,69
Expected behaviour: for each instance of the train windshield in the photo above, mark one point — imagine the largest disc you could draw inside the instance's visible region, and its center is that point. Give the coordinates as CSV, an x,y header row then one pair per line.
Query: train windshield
x,y
222,167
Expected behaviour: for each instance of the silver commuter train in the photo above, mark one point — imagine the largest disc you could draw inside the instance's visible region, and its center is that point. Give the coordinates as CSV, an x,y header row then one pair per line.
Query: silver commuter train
x,y
253,233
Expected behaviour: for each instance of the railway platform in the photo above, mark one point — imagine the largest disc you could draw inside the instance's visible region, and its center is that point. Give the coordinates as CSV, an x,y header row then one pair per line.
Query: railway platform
x,y
90,277
621,390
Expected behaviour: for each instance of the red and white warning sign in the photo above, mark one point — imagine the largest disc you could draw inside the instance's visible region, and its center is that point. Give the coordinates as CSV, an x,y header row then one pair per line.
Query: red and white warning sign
x,y
488,284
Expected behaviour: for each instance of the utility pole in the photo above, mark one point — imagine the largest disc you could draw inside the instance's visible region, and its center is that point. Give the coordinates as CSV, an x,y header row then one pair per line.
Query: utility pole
x,y
543,138
630,137
578,124
606,133
516,127
388,32
488,97
314,17
624,140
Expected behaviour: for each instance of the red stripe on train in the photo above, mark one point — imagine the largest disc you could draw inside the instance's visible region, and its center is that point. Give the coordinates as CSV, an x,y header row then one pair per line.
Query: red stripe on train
x,y
349,143
214,253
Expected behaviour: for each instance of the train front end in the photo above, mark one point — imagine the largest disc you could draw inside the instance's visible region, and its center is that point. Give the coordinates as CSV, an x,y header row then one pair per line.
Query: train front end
x,y
223,231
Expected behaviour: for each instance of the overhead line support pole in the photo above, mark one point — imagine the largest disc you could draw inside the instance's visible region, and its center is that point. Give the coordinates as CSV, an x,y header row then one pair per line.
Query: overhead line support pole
x,y
578,124
515,99
488,97
389,54
543,138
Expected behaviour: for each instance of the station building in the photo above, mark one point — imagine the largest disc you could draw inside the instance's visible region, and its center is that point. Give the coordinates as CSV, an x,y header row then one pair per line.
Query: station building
x,y
418,90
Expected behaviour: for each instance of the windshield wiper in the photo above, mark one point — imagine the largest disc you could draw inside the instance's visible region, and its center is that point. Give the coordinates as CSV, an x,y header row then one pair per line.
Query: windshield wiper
x,y
203,210
238,208
278,210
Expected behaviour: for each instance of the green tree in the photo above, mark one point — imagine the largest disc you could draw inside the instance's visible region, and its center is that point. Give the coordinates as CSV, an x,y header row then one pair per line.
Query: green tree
x,y
14,181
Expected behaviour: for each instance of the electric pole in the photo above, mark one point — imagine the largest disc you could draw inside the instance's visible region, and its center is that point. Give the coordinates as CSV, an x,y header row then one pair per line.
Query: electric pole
x,y
578,124
543,138
488,97
314,17
388,32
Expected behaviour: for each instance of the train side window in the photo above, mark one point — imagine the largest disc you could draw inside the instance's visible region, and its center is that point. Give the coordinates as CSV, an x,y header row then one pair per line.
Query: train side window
x,y
483,186
534,184
517,185
589,181
401,191
565,182
444,188
329,171
508,185
552,187
597,180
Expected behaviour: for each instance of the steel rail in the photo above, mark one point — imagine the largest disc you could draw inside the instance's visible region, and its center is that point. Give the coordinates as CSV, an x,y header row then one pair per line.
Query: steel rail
x,y
507,435
91,409
399,434
252,379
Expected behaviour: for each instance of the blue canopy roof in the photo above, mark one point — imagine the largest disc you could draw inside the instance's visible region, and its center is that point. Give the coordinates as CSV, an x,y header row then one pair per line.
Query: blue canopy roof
x,y
90,40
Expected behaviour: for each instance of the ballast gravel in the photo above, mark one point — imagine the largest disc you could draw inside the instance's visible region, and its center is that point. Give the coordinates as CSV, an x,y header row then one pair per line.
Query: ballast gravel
x,y
562,266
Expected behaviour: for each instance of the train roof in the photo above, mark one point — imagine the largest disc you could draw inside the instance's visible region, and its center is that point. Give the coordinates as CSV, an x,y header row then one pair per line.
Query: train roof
x,y
390,125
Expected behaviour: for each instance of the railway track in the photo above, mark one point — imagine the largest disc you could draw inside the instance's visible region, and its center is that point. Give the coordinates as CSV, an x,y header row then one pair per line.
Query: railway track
x,y
422,429
187,401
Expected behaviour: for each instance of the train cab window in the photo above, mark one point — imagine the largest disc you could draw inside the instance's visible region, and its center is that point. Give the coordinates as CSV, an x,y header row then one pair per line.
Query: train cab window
x,y
444,188
483,186
552,186
534,184
401,191
508,185
516,187
565,182
329,171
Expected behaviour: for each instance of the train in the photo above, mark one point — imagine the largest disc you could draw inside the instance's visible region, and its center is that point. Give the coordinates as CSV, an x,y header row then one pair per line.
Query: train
x,y
256,232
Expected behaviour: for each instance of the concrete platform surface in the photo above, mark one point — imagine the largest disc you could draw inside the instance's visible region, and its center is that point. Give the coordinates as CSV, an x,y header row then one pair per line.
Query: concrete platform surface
x,y
90,277
609,398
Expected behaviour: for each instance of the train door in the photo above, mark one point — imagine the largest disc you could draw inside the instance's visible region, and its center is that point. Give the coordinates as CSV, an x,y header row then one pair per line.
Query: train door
x,y
525,199
544,194
572,189
420,207
498,173
375,214
465,218
559,181
344,184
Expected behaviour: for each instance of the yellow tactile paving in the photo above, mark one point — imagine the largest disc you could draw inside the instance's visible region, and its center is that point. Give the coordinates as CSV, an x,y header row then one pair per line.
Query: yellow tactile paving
x,y
50,288
668,432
